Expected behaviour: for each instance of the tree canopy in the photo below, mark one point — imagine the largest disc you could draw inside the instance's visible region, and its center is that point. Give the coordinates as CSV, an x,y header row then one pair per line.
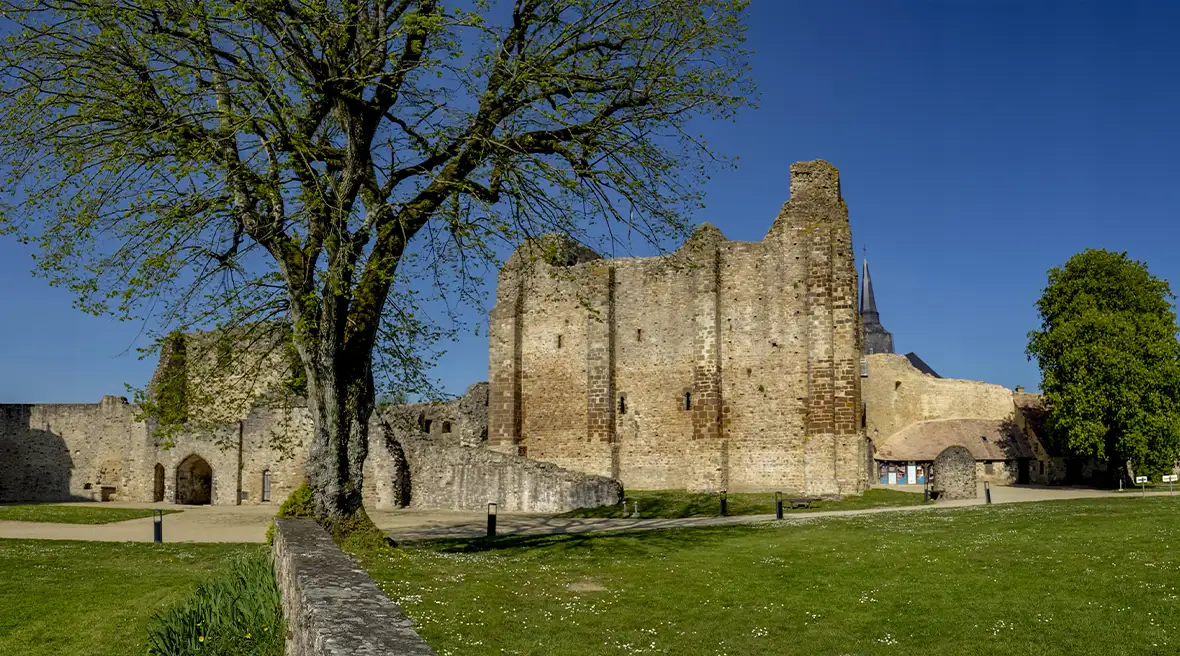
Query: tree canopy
x,y
226,163
1110,362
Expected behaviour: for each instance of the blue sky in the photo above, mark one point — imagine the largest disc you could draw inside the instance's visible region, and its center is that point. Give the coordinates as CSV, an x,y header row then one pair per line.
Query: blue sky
x,y
979,144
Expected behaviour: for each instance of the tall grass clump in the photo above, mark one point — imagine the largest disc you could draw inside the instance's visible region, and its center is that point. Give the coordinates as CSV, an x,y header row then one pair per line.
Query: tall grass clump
x,y
237,613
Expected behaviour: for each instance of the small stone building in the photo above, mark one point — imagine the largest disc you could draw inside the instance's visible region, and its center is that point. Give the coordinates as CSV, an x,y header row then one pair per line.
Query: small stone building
x,y
1000,448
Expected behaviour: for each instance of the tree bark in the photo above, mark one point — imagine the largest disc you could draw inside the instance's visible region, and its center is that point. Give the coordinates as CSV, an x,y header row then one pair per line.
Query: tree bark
x,y
340,397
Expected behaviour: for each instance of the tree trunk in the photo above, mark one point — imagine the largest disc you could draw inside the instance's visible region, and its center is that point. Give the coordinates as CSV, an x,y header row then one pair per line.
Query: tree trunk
x,y
341,399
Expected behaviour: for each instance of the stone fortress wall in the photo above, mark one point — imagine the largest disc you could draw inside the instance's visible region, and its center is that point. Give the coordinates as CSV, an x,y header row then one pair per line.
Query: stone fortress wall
x,y
725,365
427,456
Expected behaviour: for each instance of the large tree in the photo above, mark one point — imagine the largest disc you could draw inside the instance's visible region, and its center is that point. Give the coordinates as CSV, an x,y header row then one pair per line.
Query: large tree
x,y
227,162
1110,362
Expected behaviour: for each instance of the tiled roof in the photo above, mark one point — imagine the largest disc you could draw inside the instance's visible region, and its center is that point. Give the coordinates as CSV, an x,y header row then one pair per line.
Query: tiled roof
x,y
986,439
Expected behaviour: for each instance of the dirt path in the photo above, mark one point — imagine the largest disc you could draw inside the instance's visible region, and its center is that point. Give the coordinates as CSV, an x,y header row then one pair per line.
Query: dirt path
x,y
249,523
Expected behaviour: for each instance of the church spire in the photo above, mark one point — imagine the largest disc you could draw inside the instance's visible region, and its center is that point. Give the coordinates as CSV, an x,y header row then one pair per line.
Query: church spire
x,y
868,302
877,339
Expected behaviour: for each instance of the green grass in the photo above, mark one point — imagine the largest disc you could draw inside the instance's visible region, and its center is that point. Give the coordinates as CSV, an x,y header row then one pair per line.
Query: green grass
x,y
72,514
61,598
679,503
1092,576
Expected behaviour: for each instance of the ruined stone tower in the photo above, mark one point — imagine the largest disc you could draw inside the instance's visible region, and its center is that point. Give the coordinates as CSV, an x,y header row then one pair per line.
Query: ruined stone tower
x,y
725,365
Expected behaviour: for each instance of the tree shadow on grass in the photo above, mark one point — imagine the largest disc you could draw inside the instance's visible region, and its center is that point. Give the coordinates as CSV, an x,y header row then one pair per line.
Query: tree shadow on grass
x,y
617,542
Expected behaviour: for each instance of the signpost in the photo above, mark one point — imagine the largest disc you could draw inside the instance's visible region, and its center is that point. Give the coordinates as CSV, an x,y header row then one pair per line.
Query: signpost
x,y
1169,479
1141,481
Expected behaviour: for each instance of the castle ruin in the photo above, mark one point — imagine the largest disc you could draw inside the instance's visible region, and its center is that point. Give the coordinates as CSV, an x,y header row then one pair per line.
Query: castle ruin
x,y
725,365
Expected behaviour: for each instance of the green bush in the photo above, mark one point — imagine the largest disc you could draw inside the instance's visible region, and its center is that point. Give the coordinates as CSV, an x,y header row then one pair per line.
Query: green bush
x,y
300,503
237,613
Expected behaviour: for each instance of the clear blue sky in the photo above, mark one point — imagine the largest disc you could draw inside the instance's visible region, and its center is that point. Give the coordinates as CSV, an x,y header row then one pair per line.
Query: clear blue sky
x,y
979,144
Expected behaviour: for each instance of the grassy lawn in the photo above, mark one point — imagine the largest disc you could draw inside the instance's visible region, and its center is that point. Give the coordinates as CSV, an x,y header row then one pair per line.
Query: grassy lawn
x,y
679,503
61,598
72,514
1092,576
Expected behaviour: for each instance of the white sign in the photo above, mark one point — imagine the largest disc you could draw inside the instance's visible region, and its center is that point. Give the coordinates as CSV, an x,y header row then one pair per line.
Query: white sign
x,y
1140,480
1170,478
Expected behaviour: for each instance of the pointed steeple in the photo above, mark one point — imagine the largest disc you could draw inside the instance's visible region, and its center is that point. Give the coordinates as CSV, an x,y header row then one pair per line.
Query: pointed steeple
x,y
877,339
868,302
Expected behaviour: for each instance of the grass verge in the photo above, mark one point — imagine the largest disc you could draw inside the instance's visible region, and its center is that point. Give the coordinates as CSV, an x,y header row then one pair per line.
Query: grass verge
x,y
679,503
63,598
1082,577
72,514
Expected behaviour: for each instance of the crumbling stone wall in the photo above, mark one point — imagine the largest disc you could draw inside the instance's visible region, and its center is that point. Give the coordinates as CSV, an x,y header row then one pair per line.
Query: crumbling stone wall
x,y
723,365
895,395
56,452
954,474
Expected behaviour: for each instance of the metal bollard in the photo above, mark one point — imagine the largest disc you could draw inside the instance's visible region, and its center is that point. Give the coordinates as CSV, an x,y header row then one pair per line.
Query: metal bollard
x,y
158,526
925,494
987,491
491,520
778,505
724,503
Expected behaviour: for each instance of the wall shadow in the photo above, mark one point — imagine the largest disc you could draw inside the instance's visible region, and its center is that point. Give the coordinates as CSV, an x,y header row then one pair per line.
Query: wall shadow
x,y
35,464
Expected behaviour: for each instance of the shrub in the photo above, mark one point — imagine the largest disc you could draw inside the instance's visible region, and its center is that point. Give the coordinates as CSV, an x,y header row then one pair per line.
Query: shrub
x,y
237,613
300,503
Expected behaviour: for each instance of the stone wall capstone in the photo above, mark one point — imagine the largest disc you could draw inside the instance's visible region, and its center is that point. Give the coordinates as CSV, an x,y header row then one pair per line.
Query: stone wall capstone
x,y
954,474
331,606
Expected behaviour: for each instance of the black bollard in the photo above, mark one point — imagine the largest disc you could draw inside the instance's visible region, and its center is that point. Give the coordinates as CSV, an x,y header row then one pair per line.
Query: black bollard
x,y
724,505
491,520
926,494
158,526
987,491
778,505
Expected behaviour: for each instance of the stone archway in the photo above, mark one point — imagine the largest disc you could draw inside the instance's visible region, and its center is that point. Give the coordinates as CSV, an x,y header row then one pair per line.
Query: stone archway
x,y
158,484
194,481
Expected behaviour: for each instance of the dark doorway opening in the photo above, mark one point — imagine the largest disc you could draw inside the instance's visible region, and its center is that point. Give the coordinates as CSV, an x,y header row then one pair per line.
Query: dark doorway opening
x,y
1073,471
194,481
158,484
1022,471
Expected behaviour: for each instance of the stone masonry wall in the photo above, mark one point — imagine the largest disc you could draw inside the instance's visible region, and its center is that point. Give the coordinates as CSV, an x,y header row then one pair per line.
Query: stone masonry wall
x,y
895,395
725,365
331,606
445,475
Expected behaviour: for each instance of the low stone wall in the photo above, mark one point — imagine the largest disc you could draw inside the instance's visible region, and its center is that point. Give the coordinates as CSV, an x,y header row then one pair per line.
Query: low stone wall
x,y
447,475
332,607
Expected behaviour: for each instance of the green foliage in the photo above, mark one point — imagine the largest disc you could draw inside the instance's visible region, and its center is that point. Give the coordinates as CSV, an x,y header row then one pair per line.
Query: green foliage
x,y
1110,362
237,613
337,166
300,503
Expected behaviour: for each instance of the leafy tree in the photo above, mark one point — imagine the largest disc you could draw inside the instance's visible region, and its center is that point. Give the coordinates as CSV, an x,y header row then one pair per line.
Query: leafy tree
x,y
236,163
1110,362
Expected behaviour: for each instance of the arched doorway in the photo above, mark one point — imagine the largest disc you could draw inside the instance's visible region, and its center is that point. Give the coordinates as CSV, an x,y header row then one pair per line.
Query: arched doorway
x,y
158,484
194,481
